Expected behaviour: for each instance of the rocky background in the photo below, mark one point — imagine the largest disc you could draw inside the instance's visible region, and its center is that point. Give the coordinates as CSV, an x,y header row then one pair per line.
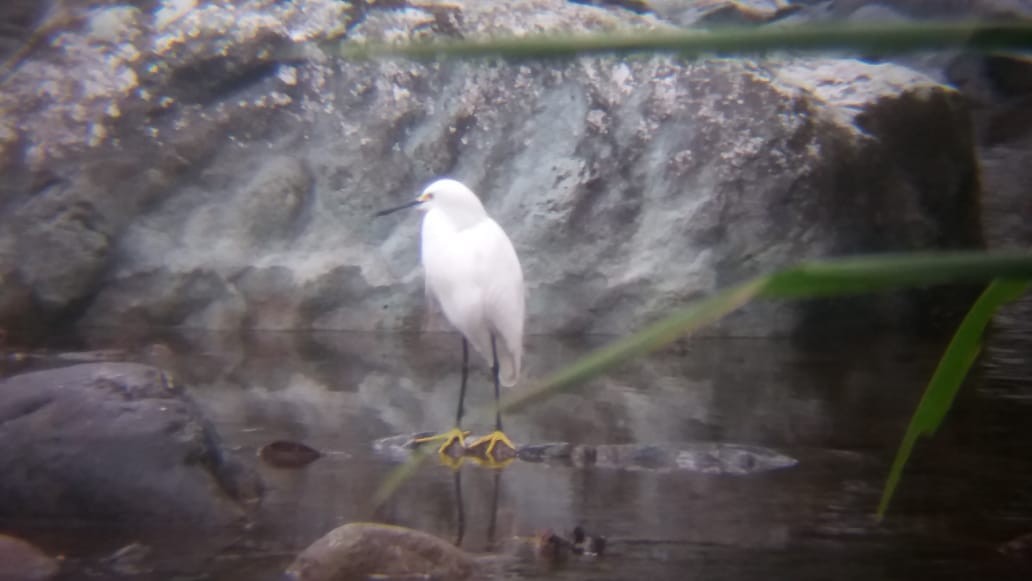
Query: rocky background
x,y
164,165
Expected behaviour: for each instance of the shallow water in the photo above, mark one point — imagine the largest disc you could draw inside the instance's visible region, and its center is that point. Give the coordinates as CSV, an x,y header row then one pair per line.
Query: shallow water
x,y
839,408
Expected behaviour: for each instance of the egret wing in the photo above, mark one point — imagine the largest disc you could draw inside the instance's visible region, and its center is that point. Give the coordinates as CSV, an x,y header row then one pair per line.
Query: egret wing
x,y
504,301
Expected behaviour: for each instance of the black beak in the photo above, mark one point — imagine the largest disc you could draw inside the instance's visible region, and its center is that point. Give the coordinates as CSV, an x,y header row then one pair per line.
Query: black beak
x,y
396,208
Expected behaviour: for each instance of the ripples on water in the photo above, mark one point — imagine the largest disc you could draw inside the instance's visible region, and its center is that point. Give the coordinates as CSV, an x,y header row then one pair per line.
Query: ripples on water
x,y
838,408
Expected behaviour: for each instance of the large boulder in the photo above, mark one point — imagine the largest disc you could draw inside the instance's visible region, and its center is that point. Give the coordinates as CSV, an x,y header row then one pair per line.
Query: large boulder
x,y
223,188
115,443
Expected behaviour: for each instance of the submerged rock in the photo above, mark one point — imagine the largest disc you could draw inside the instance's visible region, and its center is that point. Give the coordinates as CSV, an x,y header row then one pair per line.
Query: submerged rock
x,y
287,454
700,457
115,442
361,551
703,457
1019,547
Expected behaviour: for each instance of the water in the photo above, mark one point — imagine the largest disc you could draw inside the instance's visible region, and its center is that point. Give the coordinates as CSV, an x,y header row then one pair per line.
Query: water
x,y
838,407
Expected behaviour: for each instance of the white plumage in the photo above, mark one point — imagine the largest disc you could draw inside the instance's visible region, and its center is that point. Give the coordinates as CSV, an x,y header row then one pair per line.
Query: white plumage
x,y
473,273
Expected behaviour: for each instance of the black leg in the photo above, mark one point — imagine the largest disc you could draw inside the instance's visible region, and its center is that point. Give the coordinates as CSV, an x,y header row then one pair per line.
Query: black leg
x,y
462,386
494,374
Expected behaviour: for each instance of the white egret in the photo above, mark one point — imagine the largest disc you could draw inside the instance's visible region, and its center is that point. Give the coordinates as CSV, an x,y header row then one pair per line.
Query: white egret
x,y
472,271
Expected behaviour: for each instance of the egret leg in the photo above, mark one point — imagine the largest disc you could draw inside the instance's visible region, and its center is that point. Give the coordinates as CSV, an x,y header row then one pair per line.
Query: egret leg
x,y
462,385
454,436
495,370
492,440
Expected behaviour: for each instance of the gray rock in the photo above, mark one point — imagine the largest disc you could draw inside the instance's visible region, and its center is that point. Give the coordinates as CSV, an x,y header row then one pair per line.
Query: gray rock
x,y
705,13
358,551
629,186
97,129
114,442
20,561
944,9
697,457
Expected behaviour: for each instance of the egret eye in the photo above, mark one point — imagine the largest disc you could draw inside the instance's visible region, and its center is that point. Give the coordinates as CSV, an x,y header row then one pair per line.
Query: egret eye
x,y
429,196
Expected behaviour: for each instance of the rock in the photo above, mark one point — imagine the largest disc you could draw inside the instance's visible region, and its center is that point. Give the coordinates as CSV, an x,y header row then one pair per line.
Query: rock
x,y
287,454
699,457
705,13
225,187
114,442
143,107
358,551
1000,89
1019,547
809,11
636,6
20,561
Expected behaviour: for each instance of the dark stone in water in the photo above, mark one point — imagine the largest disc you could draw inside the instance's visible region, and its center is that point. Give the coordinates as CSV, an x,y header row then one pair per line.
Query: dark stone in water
x,y
115,443
284,454
1018,547
701,457
545,452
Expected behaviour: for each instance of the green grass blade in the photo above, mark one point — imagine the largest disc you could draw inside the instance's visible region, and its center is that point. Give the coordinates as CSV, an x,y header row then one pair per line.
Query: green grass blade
x,y
881,38
960,355
647,340
398,476
882,272
839,276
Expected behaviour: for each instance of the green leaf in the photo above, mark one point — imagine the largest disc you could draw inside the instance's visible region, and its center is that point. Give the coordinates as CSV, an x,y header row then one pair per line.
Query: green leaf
x,y
399,476
645,341
949,376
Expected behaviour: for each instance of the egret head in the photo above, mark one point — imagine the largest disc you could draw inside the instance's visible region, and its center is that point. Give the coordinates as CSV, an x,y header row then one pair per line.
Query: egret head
x,y
449,196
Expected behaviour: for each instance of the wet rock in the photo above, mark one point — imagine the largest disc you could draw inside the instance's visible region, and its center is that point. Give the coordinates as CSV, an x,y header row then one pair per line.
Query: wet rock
x,y
401,446
704,13
700,457
165,296
128,560
284,454
211,182
550,451
272,202
1019,547
20,561
85,152
360,551
585,544
115,442
636,6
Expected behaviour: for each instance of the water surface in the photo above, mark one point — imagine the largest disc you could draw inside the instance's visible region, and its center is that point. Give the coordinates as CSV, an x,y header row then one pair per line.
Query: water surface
x,y
838,407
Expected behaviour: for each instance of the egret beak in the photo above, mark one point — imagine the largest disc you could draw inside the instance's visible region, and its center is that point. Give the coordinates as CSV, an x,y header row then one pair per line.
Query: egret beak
x,y
396,208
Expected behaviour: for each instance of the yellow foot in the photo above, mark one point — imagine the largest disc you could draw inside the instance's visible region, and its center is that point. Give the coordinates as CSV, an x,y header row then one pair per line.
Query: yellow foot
x,y
495,446
454,442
